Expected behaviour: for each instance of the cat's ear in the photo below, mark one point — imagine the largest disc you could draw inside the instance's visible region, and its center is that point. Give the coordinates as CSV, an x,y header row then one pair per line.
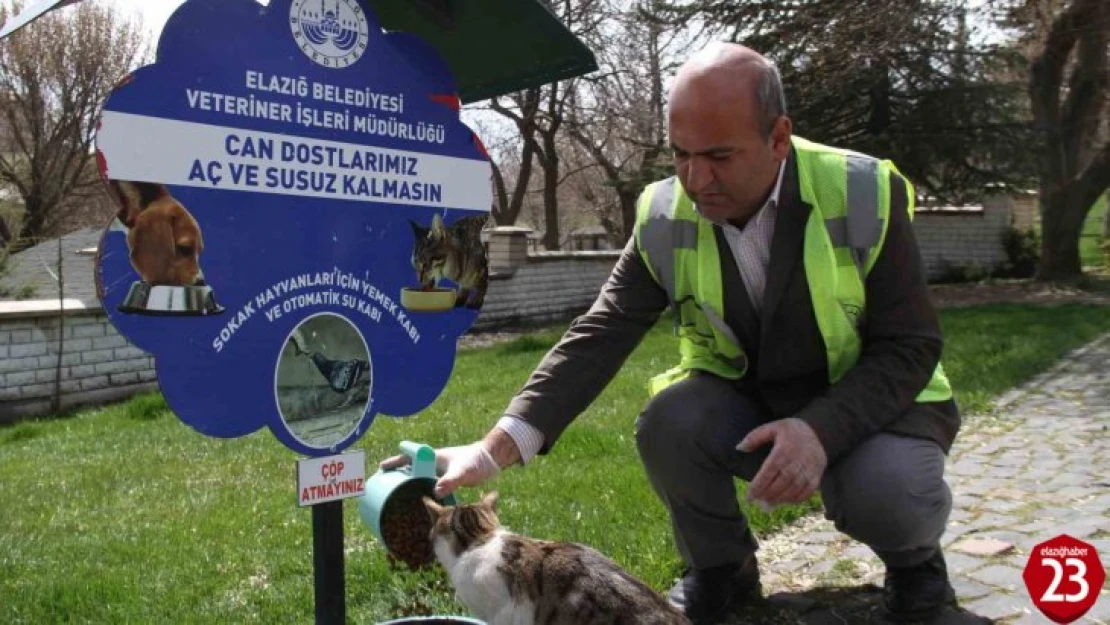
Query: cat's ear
x,y
490,500
437,223
418,230
433,508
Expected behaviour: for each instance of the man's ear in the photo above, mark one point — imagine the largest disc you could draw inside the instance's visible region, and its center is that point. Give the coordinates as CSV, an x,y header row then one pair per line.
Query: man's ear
x,y
781,132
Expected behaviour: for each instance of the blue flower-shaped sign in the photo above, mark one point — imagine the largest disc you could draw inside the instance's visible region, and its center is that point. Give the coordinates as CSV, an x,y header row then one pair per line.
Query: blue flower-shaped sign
x,y
300,208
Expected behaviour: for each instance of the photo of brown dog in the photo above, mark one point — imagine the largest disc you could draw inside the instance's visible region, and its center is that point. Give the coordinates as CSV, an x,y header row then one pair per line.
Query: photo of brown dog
x,y
164,244
163,238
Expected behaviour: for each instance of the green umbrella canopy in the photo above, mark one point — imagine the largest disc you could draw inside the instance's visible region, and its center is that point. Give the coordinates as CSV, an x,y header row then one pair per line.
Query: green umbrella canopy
x,y
492,46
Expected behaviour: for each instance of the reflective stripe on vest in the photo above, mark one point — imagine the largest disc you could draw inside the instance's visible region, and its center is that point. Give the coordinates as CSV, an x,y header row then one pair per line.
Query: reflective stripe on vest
x,y
862,228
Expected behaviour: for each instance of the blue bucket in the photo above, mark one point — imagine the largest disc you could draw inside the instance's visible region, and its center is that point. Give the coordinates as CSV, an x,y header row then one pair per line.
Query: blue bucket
x,y
400,487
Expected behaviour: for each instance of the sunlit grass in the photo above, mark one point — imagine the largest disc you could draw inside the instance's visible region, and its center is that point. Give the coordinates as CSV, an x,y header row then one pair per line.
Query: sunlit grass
x,y
125,515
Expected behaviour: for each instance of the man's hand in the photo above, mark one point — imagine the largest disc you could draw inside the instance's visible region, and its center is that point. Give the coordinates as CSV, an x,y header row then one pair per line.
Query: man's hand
x,y
793,470
467,465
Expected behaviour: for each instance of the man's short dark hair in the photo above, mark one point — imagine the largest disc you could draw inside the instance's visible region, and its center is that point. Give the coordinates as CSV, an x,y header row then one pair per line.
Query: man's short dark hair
x,y
770,100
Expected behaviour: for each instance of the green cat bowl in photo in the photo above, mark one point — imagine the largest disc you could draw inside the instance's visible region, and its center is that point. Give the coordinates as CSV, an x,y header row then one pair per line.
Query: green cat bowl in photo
x,y
428,300
392,506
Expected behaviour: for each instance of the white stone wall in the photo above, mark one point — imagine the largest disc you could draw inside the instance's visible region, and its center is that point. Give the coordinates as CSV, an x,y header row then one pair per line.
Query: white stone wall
x,y
547,286
97,363
1026,211
965,238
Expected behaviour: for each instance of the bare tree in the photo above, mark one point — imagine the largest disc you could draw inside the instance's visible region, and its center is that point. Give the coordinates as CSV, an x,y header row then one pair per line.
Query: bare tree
x,y
521,108
538,115
1068,89
618,116
552,118
54,76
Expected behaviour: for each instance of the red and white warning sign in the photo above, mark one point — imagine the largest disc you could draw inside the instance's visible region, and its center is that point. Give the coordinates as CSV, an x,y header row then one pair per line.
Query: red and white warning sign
x,y
331,478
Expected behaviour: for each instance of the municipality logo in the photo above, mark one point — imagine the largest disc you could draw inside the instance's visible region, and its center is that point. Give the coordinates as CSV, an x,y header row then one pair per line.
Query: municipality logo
x,y
333,33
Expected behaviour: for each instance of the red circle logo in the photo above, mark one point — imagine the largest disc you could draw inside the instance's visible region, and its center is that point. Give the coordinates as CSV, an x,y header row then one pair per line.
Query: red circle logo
x,y
1064,577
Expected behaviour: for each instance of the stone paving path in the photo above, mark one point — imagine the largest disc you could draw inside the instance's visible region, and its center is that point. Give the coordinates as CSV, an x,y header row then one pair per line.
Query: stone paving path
x,y
1036,467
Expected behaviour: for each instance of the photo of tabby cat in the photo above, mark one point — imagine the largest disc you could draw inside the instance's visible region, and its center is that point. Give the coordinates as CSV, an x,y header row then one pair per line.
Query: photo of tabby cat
x,y
509,579
455,253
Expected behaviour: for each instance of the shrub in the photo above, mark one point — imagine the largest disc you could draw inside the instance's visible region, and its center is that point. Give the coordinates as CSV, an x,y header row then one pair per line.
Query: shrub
x,y
1023,252
958,273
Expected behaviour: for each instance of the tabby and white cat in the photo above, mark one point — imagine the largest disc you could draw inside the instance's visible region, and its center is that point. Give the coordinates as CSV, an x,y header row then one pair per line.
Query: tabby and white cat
x,y
455,253
509,579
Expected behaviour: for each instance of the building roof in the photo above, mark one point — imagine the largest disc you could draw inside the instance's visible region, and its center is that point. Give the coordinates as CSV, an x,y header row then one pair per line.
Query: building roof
x,y
32,273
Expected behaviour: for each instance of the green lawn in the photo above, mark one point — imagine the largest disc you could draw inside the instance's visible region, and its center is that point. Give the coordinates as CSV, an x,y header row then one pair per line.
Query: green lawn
x,y
124,515
1090,242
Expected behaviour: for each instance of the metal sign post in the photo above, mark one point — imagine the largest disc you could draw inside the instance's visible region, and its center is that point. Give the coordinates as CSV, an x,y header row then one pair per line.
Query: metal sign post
x,y
328,565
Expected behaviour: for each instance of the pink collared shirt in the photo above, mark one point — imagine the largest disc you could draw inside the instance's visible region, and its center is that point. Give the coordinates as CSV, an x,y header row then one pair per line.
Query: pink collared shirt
x,y
751,246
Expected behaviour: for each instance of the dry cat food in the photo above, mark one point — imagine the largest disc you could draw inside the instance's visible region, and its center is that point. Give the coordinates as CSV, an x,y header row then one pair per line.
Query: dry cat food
x,y
405,524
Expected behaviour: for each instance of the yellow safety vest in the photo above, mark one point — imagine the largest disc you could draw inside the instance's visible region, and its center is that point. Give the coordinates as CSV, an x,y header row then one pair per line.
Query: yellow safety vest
x,y
850,196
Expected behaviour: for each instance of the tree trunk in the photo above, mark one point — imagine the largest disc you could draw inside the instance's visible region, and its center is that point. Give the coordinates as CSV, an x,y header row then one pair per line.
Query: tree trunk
x,y
500,196
523,178
1061,225
550,192
1066,111
34,221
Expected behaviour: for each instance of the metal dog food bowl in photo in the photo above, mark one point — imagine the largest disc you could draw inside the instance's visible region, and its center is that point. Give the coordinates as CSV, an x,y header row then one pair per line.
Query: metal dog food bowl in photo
x,y
196,300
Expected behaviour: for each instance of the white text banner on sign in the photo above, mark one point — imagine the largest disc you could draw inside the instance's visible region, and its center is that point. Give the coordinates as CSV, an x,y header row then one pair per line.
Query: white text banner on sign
x,y
219,157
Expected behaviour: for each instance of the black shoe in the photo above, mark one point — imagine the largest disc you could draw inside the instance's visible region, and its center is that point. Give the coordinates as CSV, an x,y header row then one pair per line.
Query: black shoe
x,y
917,593
706,596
